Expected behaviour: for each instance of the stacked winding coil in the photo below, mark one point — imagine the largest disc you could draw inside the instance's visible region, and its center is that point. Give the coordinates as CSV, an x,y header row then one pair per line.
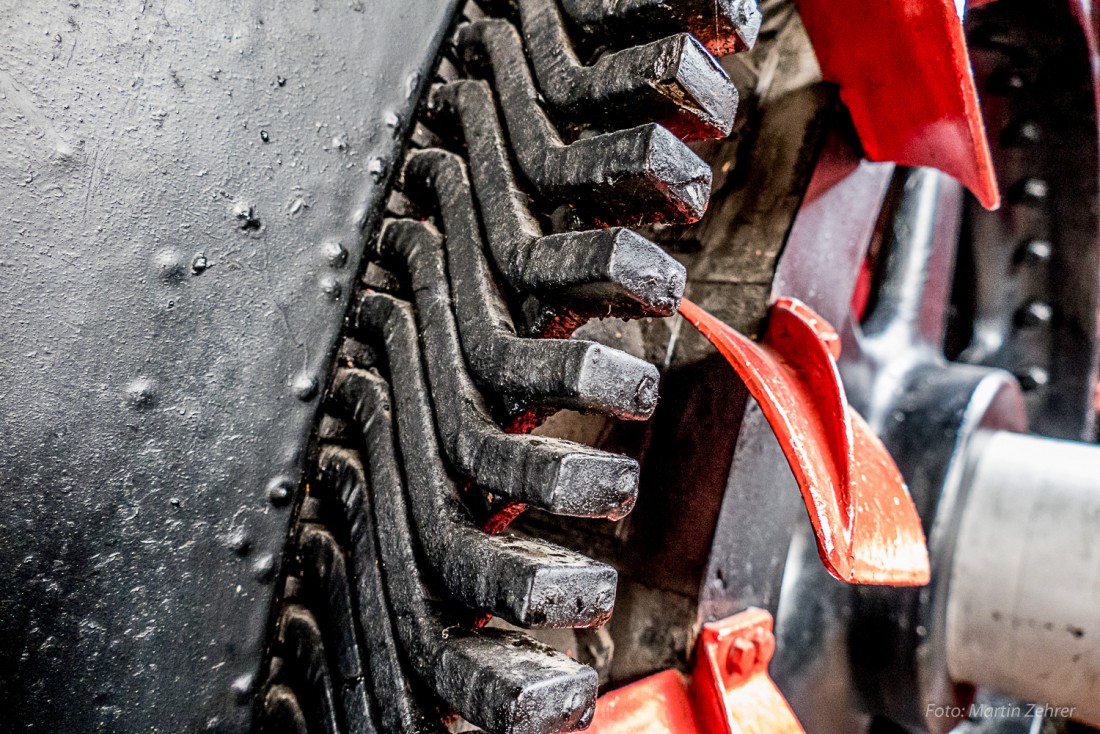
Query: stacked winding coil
x,y
564,127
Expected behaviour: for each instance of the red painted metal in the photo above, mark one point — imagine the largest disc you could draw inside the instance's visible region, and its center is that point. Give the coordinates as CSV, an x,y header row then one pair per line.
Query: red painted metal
x,y
904,74
729,692
867,528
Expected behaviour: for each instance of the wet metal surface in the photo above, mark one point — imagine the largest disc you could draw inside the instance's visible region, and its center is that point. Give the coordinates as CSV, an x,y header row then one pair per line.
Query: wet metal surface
x,y
501,681
588,271
640,174
530,583
572,373
724,26
176,177
673,80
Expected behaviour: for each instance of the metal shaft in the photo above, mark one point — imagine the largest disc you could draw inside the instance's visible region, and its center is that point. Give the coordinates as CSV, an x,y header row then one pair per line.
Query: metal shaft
x,y
1023,609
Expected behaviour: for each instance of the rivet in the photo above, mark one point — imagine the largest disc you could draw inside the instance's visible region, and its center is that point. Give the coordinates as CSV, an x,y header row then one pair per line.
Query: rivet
x,y
280,490
304,387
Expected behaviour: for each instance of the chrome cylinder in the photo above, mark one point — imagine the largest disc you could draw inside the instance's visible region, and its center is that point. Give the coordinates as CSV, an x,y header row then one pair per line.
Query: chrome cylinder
x,y
1023,596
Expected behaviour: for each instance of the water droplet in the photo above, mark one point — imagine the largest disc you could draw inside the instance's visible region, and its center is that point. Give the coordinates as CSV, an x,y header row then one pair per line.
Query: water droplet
x,y
264,136
304,387
280,490
141,393
335,253
199,264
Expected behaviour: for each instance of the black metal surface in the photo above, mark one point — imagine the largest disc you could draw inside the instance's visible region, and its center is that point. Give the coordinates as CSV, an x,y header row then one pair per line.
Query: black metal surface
x,y
342,480
724,26
190,193
326,580
568,373
562,476
299,642
281,712
673,81
589,272
641,174
528,582
221,302
503,682
175,177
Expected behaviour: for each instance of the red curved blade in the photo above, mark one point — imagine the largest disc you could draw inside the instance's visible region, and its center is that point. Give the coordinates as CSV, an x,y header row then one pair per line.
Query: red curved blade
x,y
867,528
904,74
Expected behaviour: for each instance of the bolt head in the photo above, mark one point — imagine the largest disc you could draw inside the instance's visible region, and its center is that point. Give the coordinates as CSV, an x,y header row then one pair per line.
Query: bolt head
x,y
741,657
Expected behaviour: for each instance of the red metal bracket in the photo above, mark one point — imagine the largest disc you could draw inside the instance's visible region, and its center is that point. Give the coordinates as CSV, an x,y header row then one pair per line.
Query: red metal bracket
x,y
730,691
867,528
904,74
